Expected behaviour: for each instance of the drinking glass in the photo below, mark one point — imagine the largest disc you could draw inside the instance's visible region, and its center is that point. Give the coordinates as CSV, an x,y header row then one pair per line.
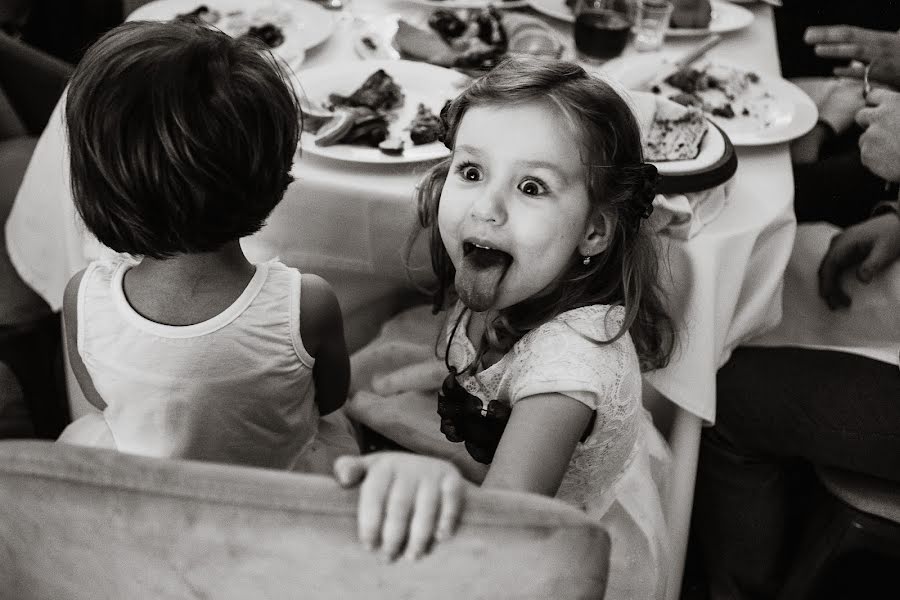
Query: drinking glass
x,y
602,28
651,24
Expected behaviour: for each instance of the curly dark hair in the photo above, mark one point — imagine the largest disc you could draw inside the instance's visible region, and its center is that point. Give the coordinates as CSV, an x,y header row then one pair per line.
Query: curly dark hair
x,y
181,138
619,183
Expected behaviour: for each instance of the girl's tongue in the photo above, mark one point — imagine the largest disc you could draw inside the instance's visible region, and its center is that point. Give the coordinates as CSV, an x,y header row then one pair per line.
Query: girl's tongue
x,y
479,274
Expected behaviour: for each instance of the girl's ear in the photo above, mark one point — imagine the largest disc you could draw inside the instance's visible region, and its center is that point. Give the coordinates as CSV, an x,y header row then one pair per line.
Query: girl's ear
x,y
597,235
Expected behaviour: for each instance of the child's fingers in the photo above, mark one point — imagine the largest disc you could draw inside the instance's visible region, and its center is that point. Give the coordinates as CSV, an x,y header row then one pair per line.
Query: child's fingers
x,y
349,470
452,492
372,497
396,521
424,517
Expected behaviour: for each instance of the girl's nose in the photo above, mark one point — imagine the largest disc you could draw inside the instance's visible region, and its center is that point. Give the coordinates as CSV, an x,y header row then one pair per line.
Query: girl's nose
x,y
489,206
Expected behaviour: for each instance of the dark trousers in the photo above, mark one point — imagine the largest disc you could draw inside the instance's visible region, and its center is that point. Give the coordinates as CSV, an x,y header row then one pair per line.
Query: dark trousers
x,y
778,410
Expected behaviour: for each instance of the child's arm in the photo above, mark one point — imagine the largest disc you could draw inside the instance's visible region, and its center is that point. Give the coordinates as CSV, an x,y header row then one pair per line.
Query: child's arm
x,y
538,443
70,321
322,332
403,498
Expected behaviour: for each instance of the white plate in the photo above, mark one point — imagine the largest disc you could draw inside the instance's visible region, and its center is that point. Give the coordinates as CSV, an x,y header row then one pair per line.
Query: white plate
x,y
725,17
779,110
420,82
471,3
553,8
304,24
644,105
376,38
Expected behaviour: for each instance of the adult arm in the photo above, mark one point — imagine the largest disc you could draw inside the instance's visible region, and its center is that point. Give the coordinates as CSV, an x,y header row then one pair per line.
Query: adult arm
x,y
70,322
322,332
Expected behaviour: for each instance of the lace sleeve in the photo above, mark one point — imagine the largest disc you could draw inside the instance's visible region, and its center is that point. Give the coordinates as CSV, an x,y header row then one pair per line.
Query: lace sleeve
x,y
558,359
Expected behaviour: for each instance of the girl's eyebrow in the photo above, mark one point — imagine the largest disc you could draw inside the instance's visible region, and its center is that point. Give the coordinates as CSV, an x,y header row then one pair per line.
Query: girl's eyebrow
x,y
468,148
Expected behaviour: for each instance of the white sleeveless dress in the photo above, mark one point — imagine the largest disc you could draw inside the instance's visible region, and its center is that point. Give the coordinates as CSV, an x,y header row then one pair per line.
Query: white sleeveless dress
x,y
237,388
617,474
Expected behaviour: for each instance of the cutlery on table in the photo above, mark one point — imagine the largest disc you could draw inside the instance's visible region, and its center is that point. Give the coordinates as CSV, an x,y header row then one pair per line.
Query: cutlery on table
x,y
679,65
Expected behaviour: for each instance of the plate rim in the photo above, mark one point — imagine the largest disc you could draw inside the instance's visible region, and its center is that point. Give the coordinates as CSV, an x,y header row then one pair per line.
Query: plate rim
x,y
566,15
803,104
306,143
738,10
455,4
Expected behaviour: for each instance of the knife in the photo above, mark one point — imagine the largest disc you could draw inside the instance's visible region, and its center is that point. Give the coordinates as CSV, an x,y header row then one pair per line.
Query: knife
x,y
679,65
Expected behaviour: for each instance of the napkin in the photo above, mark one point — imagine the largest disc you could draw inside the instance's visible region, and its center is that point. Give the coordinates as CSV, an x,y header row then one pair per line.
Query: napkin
x,y
683,216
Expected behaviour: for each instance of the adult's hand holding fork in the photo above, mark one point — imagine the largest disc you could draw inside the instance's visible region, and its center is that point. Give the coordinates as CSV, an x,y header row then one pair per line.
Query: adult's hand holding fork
x,y
879,145
880,49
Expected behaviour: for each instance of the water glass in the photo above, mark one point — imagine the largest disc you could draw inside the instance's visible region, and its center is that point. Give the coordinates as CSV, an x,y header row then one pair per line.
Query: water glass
x,y
602,28
651,24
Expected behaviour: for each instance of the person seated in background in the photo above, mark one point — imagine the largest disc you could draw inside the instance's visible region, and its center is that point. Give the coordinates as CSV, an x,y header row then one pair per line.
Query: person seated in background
x,y
831,182
781,409
62,28
797,57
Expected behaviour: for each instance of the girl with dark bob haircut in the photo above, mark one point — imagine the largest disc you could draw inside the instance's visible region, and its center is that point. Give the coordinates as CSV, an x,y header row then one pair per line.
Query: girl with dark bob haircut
x,y
181,141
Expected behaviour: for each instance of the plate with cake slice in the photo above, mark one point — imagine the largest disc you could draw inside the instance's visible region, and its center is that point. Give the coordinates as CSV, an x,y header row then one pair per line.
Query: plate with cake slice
x,y
472,3
377,111
726,17
287,27
752,108
472,41
690,152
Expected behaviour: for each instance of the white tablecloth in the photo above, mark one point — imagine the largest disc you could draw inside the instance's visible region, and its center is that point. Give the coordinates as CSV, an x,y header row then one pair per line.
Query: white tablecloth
x,y
348,223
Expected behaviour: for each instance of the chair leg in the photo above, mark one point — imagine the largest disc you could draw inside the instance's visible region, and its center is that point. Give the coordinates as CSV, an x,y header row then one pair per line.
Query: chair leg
x,y
821,545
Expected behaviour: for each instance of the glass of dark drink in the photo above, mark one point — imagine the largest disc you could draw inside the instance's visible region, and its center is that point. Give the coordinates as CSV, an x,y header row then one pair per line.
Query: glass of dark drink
x,y
602,28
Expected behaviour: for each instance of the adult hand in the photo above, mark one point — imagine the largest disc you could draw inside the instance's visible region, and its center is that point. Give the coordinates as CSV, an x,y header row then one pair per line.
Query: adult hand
x,y
881,49
879,144
870,247
405,499
691,14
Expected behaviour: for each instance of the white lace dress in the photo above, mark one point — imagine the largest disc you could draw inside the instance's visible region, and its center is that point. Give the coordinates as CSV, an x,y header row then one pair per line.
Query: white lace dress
x,y
617,473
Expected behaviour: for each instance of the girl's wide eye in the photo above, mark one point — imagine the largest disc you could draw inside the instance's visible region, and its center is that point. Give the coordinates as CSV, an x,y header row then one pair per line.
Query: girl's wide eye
x,y
532,187
470,172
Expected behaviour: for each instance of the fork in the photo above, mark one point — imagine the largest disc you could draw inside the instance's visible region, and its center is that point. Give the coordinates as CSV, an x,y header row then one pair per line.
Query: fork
x,y
867,85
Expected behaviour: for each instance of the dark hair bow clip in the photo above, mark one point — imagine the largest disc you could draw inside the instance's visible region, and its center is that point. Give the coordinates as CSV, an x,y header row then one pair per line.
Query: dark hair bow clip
x,y
464,418
648,190
445,124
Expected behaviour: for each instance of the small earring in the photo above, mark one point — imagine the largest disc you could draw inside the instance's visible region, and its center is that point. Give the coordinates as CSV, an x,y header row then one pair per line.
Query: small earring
x,y
586,261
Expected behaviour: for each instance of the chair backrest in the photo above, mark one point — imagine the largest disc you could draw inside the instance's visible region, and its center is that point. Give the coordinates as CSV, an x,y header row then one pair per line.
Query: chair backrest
x,y
87,523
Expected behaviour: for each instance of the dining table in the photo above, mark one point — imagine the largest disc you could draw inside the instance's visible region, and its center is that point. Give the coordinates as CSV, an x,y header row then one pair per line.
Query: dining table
x,y
349,223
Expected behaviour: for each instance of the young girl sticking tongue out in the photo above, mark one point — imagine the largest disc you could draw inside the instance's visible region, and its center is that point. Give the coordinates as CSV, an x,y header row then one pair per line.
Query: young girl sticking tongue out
x,y
548,273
